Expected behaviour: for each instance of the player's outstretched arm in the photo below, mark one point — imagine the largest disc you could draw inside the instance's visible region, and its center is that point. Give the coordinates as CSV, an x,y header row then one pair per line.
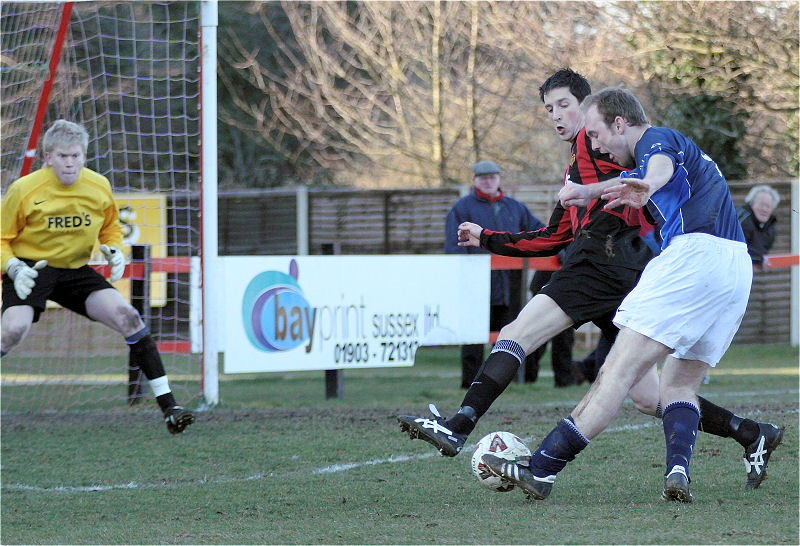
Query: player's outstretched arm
x,y
629,191
469,234
579,195
634,192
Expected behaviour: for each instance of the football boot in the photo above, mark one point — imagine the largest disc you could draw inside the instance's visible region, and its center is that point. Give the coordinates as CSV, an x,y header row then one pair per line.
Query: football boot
x,y
177,419
535,487
676,486
434,431
756,455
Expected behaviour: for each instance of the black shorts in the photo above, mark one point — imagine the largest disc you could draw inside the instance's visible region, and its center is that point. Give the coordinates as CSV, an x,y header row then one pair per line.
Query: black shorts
x,y
67,287
588,292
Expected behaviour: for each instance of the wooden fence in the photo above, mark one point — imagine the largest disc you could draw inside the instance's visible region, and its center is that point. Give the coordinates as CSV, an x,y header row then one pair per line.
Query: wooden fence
x,y
352,221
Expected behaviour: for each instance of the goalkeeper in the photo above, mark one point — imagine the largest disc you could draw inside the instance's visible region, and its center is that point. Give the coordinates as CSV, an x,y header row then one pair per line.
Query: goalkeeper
x,y
51,220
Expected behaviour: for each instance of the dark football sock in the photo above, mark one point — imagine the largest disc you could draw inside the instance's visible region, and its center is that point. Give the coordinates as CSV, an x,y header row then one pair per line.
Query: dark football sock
x,y
558,448
144,355
503,362
680,432
166,401
743,430
464,421
480,395
724,423
492,378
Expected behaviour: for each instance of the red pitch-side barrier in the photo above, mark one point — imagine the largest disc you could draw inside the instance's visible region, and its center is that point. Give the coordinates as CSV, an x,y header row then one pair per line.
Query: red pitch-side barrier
x,y
136,270
550,263
777,261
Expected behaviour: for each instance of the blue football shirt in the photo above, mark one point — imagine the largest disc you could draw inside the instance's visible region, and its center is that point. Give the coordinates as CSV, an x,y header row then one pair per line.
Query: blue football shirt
x,y
696,199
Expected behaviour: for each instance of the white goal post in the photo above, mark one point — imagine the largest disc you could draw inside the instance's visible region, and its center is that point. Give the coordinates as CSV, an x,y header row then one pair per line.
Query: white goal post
x,y
211,288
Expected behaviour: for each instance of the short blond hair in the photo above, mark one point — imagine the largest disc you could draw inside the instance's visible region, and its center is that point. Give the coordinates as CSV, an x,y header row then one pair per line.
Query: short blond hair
x,y
65,133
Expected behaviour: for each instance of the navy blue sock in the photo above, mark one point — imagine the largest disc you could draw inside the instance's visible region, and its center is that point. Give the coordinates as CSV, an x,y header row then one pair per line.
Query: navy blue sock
x,y
680,431
558,448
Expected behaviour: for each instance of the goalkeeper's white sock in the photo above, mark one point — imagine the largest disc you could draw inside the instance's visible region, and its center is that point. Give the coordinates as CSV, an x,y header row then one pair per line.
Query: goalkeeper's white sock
x,y
160,386
162,392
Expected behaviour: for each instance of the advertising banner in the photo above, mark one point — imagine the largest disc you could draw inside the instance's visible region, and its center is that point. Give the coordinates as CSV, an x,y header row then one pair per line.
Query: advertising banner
x,y
288,313
144,221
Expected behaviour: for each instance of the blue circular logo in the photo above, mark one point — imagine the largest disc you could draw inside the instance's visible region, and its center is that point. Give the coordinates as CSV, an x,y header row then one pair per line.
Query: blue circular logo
x,y
275,312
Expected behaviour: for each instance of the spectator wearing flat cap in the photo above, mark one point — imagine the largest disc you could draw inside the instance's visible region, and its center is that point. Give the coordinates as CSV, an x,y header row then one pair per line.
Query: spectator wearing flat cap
x,y
487,206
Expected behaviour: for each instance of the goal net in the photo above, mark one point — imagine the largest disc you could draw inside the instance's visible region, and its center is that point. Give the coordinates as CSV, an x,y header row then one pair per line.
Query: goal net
x,y
129,72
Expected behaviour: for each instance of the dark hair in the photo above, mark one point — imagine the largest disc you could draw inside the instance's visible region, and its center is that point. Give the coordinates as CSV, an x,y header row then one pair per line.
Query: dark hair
x,y
566,77
615,102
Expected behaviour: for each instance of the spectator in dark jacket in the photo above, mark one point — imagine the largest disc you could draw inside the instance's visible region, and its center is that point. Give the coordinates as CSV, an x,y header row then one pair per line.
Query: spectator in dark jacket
x,y
758,222
486,205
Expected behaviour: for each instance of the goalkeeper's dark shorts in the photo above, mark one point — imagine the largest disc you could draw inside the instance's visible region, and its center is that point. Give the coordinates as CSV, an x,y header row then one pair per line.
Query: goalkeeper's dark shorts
x,y
588,292
67,287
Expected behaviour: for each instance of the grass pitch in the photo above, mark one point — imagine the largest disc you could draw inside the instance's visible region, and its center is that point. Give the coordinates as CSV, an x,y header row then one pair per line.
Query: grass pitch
x,y
276,462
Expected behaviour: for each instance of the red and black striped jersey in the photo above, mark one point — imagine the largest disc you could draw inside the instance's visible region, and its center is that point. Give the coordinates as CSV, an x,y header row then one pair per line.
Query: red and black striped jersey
x,y
588,233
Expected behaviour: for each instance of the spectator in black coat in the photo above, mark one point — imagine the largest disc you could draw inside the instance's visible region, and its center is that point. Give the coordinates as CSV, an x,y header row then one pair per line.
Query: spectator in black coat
x,y
488,206
758,222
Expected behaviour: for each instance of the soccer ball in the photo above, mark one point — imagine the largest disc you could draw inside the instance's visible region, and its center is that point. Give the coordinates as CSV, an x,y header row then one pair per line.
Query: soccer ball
x,y
502,444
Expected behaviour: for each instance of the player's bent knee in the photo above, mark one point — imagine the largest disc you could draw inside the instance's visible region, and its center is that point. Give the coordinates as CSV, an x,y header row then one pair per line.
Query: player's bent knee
x,y
648,407
13,335
129,319
526,334
509,331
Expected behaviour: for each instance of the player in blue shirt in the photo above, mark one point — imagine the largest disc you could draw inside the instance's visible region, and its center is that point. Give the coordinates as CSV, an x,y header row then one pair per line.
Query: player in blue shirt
x,y
686,307
695,199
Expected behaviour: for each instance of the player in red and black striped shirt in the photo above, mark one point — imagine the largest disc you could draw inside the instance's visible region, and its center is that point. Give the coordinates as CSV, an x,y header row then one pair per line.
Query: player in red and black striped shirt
x,y
603,259
600,244
605,255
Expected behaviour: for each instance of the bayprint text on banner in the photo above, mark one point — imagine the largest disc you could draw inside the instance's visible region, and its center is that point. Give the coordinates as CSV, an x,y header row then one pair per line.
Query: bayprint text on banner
x,y
287,313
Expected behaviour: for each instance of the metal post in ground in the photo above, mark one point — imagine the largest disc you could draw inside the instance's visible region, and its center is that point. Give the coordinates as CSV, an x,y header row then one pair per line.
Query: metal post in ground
x,y
140,300
334,380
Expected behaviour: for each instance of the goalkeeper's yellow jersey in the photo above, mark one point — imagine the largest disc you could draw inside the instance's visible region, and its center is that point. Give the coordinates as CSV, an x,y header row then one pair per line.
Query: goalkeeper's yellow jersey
x,y
43,219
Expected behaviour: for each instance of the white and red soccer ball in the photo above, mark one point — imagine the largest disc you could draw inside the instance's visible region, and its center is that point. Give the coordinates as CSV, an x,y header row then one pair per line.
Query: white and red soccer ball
x,y
501,444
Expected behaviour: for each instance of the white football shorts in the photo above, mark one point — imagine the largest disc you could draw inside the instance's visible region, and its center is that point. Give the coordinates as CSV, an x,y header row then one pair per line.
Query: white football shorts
x,y
691,297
